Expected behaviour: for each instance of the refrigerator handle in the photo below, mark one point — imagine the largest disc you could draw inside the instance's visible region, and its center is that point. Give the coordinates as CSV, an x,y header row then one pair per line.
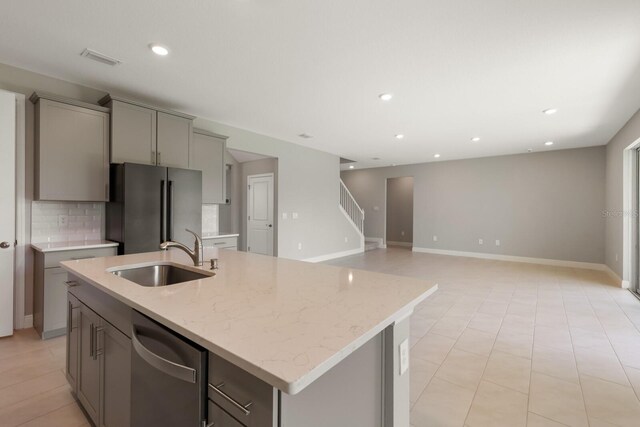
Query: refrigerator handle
x,y
163,213
170,211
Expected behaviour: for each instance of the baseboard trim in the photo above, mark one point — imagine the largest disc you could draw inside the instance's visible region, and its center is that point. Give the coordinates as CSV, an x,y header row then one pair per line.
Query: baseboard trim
x,y
622,283
405,244
498,257
28,321
334,255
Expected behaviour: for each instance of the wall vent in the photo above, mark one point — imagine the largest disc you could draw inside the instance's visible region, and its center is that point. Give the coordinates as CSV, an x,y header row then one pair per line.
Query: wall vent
x,y
97,56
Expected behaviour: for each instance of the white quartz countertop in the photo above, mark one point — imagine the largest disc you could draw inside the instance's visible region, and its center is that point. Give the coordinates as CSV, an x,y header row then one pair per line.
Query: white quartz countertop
x,y
218,235
72,246
286,322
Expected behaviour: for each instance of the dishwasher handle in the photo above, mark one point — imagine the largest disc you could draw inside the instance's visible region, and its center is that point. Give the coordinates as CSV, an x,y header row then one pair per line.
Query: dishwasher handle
x,y
176,370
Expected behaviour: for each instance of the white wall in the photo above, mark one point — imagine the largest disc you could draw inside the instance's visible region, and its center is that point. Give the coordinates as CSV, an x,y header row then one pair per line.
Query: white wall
x,y
540,205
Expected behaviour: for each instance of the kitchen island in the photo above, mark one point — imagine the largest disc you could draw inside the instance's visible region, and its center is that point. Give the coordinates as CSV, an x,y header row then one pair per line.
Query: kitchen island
x,y
325,345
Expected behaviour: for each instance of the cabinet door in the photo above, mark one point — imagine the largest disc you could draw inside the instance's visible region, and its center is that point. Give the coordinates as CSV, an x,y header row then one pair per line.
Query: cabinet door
x,y
89,362
115,349
174,137
133,134
55,294
73,314
207,155
72,152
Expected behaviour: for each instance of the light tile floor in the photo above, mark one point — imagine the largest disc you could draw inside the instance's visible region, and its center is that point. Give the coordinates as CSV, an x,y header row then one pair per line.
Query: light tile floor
x,y
514,344
500,344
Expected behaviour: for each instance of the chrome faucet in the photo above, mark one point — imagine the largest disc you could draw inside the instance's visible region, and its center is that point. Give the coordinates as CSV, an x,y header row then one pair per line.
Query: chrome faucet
x,y
195,254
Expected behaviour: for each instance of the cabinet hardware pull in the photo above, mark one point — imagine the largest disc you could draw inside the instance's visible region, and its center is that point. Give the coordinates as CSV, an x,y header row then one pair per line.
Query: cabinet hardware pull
x,y
82,257
159,158
153,157
225,396
71,283
219,243
176,370
91,341
98,351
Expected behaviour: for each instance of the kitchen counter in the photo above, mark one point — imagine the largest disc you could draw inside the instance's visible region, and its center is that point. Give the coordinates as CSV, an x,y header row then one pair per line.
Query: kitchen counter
x,y
219,235
286,322
45,247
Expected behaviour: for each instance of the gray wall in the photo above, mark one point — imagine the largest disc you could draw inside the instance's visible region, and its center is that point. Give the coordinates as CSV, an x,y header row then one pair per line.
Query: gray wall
x,y
541,205
400,209
254,168
308,179
614,204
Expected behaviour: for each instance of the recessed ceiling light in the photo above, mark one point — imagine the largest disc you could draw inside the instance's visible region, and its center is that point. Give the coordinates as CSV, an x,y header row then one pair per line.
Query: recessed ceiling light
x,y
550,111
436,155
548,143
351,166
385,96
399,136
159,49
475,139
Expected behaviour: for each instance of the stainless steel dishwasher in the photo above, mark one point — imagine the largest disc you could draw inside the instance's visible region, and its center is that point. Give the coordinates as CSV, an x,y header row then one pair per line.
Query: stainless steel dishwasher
x,y
168,377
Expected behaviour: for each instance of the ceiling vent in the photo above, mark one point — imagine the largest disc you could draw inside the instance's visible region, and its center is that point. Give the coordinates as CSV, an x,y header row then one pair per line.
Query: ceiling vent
x,y
97,56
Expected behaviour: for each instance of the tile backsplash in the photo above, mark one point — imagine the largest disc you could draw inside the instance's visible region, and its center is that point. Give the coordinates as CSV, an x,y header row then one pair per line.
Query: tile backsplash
x,y
71,221
209,219
65,222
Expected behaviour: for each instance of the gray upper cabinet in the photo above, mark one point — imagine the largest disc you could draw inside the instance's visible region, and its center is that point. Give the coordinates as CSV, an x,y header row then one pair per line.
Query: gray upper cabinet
x,y
148,135
72,150
207,154
174,137
133,133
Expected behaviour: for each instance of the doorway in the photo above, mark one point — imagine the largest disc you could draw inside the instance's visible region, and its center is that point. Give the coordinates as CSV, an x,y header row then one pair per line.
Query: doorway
x,y
399,212
8,116
260,212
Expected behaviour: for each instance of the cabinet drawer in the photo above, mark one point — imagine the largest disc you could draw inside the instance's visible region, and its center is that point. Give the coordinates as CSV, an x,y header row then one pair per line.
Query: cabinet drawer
x,y
222,243
53,259
245,397
220,418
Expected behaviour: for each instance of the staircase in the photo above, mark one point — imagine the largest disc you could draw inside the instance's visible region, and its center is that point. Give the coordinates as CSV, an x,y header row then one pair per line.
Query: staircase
x,y
351,208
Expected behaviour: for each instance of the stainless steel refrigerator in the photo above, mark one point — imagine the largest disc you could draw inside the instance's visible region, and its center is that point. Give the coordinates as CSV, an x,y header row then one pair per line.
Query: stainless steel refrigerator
x,y
151,204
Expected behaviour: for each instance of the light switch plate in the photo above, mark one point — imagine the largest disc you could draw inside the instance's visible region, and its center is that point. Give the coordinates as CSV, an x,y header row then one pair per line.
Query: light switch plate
x,y
294,215
404,356
285,215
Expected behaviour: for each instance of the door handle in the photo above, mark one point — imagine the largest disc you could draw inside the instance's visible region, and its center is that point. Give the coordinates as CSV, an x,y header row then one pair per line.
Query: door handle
x,y
5,245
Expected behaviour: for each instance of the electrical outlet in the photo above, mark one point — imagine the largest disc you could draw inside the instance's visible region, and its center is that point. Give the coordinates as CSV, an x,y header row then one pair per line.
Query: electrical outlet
x,y
435,238
616,257
294,215
480,242
346,239
299,246
63,220
402,233
404,356
497,242
376,208
285,215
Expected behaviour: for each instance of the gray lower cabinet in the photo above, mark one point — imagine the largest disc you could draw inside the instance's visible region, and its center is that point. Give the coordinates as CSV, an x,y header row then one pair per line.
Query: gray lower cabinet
x,y
207,155
73,340
50,314
229,243
71,150
115,402
89,363
99,359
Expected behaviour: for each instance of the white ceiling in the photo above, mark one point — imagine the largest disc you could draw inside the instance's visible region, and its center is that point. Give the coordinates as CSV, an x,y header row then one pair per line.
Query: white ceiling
x,y
457,68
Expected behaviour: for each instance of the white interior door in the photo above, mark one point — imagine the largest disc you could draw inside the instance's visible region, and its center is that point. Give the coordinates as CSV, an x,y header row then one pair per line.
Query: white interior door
x,y
260,214
8,209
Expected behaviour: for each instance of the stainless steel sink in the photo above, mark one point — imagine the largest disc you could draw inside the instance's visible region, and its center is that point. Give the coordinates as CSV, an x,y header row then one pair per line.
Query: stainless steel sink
x,y
160,275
